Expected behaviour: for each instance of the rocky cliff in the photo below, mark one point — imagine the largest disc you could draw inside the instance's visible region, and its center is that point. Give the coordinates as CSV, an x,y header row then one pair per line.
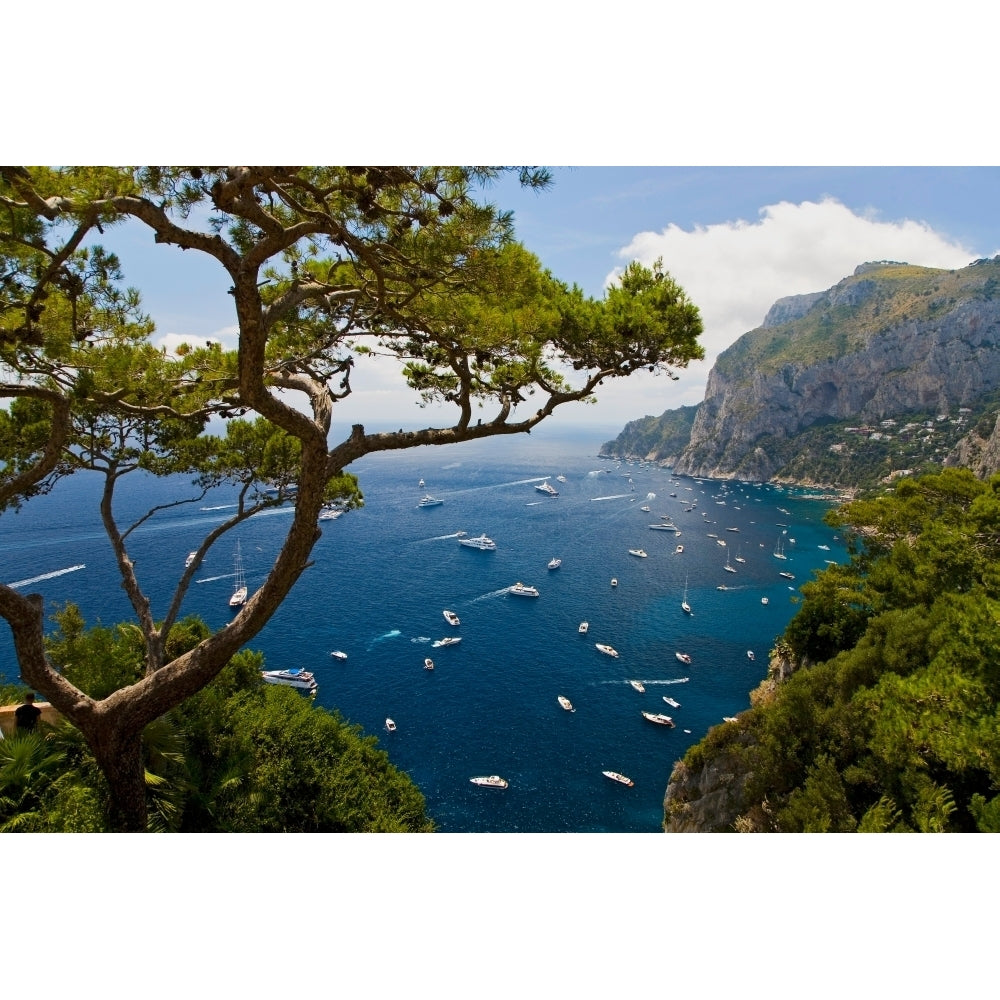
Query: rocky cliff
x,y
890,340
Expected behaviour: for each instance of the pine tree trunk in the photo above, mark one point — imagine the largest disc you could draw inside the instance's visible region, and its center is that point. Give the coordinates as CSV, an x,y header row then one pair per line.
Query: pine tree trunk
x,y
120,758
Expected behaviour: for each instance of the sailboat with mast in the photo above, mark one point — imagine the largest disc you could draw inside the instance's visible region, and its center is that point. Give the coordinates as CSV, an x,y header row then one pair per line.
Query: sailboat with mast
x,y
685,607
239,597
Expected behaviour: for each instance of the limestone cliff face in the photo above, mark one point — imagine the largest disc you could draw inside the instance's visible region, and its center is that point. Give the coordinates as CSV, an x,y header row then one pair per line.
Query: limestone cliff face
x,y
877,345
890,339
978,453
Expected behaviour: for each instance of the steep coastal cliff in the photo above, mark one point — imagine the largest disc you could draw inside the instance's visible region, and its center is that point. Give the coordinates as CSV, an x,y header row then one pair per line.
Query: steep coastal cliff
x,y
889,341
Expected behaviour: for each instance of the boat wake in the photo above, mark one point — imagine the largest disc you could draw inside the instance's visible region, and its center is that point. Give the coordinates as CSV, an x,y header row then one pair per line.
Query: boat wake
x,y
497,486
490,595
421,638
388,635
675,680
212,579
221,506
617,496
47,576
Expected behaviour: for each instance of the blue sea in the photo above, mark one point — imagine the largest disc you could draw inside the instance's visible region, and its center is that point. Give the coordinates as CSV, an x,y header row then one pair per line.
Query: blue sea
x,y
383,574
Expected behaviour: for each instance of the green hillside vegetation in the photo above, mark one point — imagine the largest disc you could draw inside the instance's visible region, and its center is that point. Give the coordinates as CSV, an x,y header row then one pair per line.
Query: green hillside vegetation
x,y
667,434
238,756
872,302
892,722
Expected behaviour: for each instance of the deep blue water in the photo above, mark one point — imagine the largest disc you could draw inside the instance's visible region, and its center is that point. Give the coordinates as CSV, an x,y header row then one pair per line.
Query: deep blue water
x,y
384,573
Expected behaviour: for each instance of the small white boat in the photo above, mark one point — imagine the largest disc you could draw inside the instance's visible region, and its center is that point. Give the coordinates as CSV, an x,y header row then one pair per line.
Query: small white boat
x,y
683,657
560,479
583,628
421,484
239,597
294,677
673,703
685,607
450,617
428,664
566,703
606,649
679,549
191,556
390,725
639,686
787,576
490,781
641,553
763,600
339,655
522,590
451,640
555,563
750,655
659,719
645,508
429,501
330,514
614,581
729,718
620,778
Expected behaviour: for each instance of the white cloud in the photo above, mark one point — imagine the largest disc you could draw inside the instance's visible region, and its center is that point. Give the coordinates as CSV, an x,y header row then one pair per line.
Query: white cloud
x,y
735,271
227,337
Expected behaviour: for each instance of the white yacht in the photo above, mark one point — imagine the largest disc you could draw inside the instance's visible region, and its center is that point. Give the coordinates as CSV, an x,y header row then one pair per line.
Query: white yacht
x,y
191,556
683,657
450,617
750,655
763,600
584,626
548,489
390,725
664,526
294,677
566,703
330,514
659,719
639,686
685,607
339,654
239,597
606,649
490,781
522,590
452,640
673,703
480,542
555,563
620,778
641,553
429,501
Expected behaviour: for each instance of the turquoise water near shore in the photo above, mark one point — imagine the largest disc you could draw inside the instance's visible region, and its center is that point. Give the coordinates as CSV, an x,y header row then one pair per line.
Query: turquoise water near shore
x,y
382,576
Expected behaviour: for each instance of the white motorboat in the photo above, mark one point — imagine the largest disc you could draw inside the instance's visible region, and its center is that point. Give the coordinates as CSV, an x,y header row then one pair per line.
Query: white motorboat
x,y
294,677
339,654
560,479
606,649
428,664
239,597
786,575
672,702
750,655
330,513
659,719
548,489
641,553
566,703
480,542
614,581
522,590
683,657
584,626
555,563
730,718
645,508
620,778
191,556
490,781
421,484
390,725
429,501
451,640
679,550
639,686
763,600
450,617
